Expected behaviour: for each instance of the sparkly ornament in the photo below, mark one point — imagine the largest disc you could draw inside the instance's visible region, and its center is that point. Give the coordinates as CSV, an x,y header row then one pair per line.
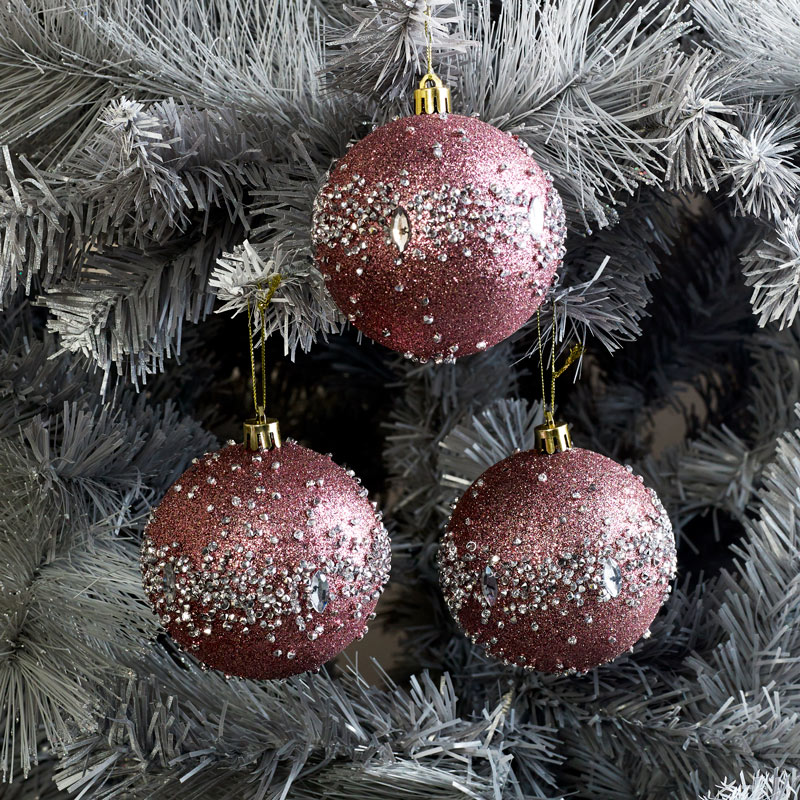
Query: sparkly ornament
x,y
557,559
265,559
265,563
438,235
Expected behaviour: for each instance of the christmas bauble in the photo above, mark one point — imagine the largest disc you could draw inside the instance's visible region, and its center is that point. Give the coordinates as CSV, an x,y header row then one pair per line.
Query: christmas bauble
x,y
559,562
438,235
266,563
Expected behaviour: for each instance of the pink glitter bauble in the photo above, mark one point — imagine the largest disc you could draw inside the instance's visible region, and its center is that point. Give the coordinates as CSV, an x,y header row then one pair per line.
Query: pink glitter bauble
x,y
438,235
557,563
265,564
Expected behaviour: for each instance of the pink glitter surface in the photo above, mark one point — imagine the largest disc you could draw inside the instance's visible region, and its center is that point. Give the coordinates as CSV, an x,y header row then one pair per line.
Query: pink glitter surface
x,y
557,563
438,235
265,564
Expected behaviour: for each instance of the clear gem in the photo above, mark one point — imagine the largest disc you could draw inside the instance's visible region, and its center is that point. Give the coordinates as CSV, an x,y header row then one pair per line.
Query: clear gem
x,y
612,577
320,593
400,228
168,583
489,585
536,217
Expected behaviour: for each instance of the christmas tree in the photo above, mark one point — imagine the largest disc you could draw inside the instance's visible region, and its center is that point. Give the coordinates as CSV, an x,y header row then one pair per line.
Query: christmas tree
x,y
160,164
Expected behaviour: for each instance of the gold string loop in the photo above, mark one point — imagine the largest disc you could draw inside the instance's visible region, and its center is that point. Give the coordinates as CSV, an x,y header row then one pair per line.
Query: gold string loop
x,y
434,98
576,351
262,301
552,437
428,37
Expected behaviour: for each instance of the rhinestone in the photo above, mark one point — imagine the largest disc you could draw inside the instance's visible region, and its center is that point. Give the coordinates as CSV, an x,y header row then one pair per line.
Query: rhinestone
x,y
612,577
320,592
168,583
489,585
536,217
400,229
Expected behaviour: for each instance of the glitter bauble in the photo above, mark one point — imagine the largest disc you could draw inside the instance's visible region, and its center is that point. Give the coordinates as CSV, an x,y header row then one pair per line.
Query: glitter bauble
x,y
438,235
265,564
559,562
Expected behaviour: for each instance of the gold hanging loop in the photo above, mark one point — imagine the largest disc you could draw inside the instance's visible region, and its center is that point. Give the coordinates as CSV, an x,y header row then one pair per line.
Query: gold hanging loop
x,y
434,99
551,436
261,432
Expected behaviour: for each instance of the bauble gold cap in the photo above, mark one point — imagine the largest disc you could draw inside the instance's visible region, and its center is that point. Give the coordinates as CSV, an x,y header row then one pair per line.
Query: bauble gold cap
x,y
551,436
262,433
432,99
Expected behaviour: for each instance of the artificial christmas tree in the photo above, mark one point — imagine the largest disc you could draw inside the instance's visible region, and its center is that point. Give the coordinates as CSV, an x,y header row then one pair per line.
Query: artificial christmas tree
x,y
159,164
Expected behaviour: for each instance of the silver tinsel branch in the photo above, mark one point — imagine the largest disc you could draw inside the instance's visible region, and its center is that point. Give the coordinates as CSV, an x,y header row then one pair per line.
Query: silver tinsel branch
x,y
378,47
116,209
778,785
158,162
760,36
772,268
301,738
299,311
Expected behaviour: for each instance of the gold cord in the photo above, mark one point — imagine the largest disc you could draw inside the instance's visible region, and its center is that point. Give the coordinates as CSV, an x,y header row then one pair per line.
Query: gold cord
x,y
263,299
553,363
428,22
576,351
541,353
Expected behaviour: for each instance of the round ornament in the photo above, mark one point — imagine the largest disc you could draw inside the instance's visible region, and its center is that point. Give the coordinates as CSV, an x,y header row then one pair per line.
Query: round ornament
x,y
438,235
557,563
265,563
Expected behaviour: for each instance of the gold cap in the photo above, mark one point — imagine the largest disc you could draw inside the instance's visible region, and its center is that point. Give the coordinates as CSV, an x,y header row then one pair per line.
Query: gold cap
x,y
432,99
552,436
261,433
